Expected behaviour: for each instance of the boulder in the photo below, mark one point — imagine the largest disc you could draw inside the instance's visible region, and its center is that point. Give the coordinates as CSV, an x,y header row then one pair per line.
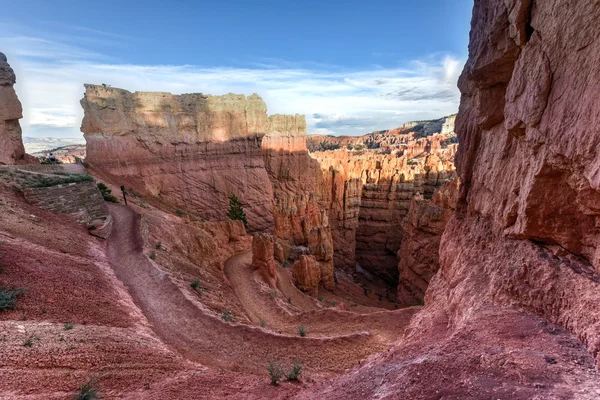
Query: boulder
x,y
307,275
263,257
12,150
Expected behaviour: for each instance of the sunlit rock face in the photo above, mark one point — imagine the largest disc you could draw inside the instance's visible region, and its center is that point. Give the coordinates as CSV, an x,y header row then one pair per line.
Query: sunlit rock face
x,y
190,151
370,182
299,206
422,229
521,252
529,127
11,141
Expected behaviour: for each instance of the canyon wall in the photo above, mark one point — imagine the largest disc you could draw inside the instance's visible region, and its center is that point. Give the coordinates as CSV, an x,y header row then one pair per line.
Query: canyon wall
x,y
520,255
11,142
191,151
370,189
529,117
422,228
299,206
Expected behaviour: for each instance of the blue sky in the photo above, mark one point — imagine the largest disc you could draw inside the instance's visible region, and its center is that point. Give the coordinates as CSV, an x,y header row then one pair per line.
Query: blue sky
x,y
351,66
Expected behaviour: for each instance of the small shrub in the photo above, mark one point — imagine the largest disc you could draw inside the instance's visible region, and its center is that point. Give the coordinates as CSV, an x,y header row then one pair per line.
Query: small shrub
x,y
91,228
273,293
158,245
68,326
262,323
179,212
295,372
7,298
227,316
275,372
236,211
196,284
30,340
72,178
286,264
106,193
321,299
85,164
88,391
152,255
302,330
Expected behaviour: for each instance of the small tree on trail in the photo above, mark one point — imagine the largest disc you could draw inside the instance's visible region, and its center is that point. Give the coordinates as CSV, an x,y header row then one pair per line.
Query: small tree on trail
x,y
236,212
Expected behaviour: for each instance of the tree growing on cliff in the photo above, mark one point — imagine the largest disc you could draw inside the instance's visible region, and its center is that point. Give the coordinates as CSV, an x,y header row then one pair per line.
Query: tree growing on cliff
x,y
236,211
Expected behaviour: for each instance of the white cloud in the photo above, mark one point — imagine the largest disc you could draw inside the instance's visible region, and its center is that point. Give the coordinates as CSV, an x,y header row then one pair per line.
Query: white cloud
x,y
53,117
50,78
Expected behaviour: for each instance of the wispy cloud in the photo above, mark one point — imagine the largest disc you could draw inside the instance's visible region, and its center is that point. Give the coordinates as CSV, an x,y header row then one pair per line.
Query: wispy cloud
x,y
51,74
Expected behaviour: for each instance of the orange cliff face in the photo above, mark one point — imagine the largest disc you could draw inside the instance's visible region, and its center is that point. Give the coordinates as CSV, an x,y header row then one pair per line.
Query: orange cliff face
x,y
11,142
370,188
192,151
521,252
189,151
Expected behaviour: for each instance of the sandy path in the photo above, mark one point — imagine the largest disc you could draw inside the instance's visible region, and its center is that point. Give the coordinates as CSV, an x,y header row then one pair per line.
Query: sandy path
x,y
205,338
385,326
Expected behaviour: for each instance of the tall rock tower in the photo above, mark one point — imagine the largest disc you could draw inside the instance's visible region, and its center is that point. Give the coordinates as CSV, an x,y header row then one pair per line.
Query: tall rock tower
x,y
11,143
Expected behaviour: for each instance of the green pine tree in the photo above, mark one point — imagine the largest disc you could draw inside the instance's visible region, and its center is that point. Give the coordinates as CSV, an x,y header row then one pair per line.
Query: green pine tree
x,y
236,212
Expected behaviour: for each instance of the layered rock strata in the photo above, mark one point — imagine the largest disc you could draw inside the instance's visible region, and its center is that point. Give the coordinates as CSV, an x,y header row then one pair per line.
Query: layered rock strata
x,y
191,151
263,257
370,191
422,229
11,141
299,206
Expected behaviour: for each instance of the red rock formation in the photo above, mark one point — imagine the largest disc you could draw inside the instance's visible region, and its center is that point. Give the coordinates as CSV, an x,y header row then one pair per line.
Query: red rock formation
x,y
190,151
11,142
307,275
263,259
520,254
422,230
529,160
369,191
299,207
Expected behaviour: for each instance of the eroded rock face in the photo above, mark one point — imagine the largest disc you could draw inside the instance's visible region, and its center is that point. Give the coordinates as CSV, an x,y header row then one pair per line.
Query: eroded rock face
x,y
307,275
11,141
369,190
263,259
529,160
190,151
299,207
521,252
422,228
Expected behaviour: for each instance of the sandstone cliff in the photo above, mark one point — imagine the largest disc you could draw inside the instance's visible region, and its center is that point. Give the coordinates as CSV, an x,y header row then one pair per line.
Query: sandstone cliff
x,y
190,151
521,252
11,142
299,207
422,228
369,191
529,162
